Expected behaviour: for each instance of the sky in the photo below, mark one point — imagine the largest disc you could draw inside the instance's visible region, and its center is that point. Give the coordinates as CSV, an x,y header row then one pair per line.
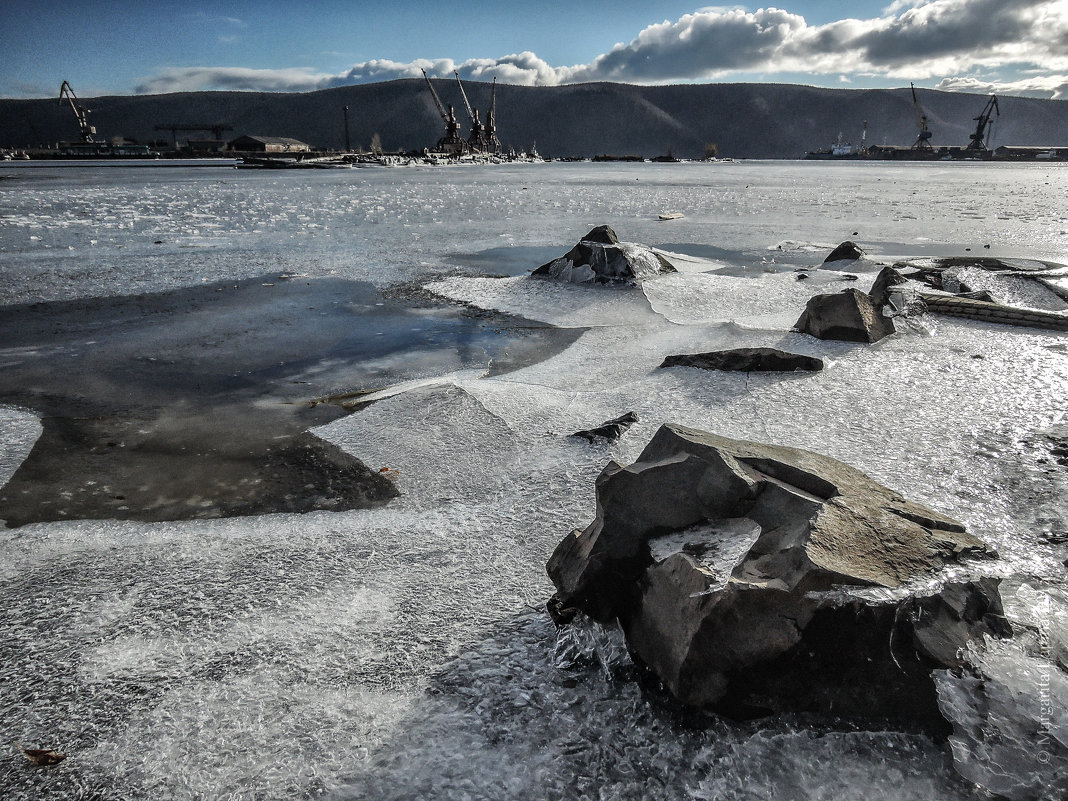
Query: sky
x,y
124,47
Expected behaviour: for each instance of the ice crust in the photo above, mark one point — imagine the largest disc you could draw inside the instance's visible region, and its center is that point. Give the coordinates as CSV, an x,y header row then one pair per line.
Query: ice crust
x,y
19,430
402,652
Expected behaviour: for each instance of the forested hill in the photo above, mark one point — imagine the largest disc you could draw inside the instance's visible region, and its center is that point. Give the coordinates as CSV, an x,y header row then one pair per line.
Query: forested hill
x,y
743,120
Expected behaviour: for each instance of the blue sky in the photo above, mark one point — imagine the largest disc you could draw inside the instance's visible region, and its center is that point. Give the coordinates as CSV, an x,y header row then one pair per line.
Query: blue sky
x,y
124,47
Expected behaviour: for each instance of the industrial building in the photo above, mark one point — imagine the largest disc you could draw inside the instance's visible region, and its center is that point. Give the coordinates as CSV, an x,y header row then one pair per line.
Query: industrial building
x,y
268,144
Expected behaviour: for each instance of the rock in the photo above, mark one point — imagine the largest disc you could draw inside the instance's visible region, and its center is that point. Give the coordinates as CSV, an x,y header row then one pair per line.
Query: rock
x,y
602,234
848,315
610,430
978,294
746,360
601,258
728,565
880,291
847,251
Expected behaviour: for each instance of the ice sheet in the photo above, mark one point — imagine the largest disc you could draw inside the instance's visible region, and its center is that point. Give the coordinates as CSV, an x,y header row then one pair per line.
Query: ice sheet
x,y
402,652
19,430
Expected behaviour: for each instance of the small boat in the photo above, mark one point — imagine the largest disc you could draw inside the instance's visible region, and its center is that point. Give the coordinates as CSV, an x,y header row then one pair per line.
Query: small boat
x,y
671,215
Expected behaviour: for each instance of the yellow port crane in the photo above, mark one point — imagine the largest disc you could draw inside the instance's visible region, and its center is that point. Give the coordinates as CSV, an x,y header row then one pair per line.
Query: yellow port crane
x,y
81,113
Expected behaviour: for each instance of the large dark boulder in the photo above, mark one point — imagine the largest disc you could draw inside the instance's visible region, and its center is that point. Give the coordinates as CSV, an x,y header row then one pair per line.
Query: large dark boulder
x,y
847,251
849,315
601,258
745,360
735,570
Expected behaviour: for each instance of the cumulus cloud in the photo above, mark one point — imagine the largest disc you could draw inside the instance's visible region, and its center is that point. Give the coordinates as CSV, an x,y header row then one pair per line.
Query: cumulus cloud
x,y
524,69
910,40
704,44
1047,86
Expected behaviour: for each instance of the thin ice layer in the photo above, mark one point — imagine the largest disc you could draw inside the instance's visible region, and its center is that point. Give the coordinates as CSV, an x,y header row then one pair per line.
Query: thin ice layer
x,y
19,430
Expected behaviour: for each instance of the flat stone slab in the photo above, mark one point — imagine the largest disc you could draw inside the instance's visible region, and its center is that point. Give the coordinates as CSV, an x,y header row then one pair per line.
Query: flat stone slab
x,y
746,360
610,430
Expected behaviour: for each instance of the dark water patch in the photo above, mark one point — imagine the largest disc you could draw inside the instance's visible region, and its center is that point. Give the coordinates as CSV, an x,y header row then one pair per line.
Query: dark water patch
x,y
508,260
195,403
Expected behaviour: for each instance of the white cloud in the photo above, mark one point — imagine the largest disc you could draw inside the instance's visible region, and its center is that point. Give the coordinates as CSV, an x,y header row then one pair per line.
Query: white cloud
x,y
911,40
1048,86
202,17
195,79
519,68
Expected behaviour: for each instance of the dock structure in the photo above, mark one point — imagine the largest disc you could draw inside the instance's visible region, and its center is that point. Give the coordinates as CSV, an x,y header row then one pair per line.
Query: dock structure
x,y
984,310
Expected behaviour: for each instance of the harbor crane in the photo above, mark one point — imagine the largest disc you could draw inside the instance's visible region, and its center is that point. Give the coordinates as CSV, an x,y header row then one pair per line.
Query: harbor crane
x,y
477,139
923,140
81,113
451,141
984,121
493,144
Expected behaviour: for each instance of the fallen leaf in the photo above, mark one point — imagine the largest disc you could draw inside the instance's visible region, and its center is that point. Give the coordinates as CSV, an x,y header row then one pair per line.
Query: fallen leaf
x,y
42,756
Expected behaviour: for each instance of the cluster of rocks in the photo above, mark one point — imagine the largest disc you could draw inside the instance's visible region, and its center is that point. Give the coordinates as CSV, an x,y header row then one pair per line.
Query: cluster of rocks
x,y
851,315
753,579
724,562
868,317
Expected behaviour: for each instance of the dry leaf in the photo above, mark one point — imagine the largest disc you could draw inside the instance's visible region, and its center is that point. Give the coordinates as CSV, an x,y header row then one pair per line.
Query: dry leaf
x,y
41,756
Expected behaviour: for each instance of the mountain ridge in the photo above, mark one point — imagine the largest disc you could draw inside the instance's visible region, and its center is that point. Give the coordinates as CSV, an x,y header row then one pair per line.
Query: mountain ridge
x,y
744,120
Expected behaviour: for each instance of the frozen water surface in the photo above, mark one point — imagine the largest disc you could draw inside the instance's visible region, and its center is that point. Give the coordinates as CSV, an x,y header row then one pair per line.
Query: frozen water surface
x,y
401,652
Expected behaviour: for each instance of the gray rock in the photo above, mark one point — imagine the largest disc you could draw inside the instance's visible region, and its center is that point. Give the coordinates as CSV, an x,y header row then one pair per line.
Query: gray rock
x,y
880,291
847,251
610,430
603,234
724,562
849,315
746,360
601,258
